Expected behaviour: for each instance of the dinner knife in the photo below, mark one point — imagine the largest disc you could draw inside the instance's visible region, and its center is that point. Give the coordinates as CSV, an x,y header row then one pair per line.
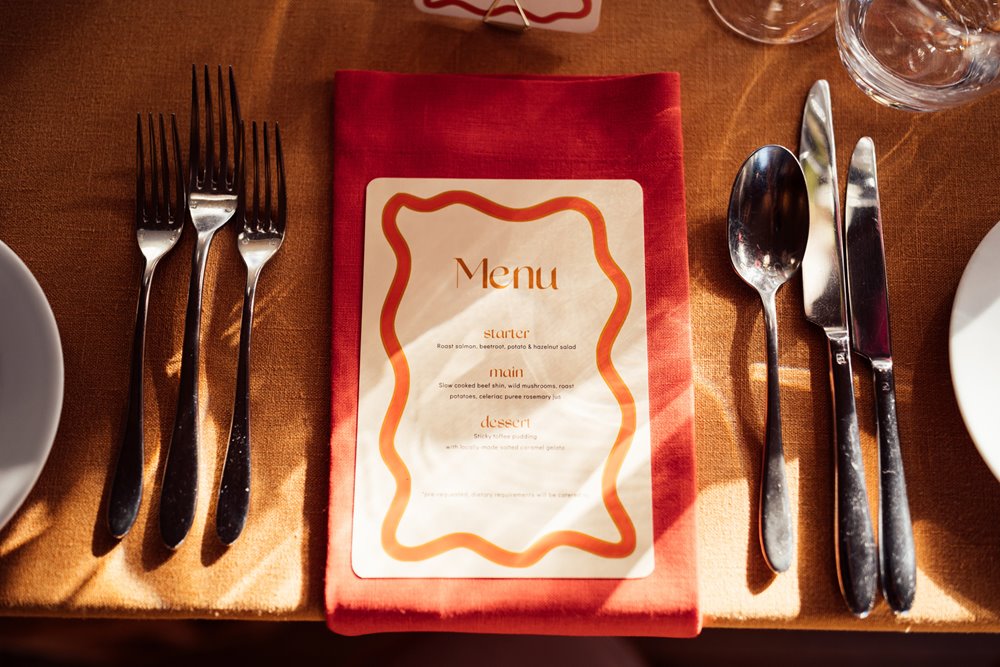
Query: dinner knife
x,y
869,301
825,299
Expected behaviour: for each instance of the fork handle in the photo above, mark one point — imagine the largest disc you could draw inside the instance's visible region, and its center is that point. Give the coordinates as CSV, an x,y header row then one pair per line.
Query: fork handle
x,y
234,491
179,495
126,486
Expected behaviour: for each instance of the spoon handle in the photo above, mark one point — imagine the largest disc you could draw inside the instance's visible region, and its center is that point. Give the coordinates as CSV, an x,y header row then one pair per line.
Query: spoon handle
x,y
777,537
857,566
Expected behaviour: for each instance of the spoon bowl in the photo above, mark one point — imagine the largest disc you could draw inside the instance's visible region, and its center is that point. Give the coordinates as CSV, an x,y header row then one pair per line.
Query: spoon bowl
x,y
768,230
768,218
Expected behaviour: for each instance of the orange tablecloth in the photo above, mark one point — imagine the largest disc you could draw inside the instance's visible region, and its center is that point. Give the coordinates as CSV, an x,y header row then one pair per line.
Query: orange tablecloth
x,y
72,78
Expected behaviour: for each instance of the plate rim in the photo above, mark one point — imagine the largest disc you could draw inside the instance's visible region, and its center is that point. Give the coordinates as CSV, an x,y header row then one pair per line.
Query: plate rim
x,y
11,258
991,459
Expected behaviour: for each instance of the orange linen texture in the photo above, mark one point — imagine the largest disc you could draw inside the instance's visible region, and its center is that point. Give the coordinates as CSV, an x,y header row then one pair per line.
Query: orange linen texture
x,y
76,74
425,126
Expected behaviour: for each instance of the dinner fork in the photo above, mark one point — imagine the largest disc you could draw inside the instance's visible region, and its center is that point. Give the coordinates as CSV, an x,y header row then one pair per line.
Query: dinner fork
x,y
158,226
261,236
212,200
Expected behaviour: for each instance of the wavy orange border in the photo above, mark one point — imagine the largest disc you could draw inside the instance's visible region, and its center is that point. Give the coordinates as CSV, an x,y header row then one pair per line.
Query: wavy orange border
x,y
511,9
387,435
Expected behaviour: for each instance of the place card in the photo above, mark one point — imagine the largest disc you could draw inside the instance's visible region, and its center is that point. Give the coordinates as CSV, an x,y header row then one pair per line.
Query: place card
x,y
503,418
564,15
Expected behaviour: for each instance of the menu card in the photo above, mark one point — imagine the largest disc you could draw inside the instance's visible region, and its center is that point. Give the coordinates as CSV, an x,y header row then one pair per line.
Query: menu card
x,y
566,15
503,419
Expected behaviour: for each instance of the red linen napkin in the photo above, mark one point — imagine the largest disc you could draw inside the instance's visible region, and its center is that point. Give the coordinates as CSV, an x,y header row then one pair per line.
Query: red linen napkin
x,y
422,126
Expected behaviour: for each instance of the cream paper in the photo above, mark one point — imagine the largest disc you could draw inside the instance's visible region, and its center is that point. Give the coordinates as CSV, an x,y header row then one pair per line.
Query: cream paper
x,y
503,420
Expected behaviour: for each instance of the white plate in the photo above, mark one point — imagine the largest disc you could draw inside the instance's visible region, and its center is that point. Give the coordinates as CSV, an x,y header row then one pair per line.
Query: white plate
x,y
31,382
974,348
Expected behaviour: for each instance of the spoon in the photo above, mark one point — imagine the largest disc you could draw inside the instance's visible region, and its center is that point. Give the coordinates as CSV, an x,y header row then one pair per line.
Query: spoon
x,y
768,228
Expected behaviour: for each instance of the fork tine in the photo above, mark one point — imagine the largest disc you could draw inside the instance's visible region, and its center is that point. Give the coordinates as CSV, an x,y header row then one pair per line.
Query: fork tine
x,y
165,169
267,221
223,134
153,167
209,133
140,171
194,150
280,163
256,182
178,212
241,180
234,105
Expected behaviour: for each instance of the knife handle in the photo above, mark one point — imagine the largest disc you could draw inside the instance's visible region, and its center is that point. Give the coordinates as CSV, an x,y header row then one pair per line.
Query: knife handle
x,y
777,537
897,556
857,562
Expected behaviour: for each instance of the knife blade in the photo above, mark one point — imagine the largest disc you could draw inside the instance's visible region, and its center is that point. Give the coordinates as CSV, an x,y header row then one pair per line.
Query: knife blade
x,y
869,301
825,300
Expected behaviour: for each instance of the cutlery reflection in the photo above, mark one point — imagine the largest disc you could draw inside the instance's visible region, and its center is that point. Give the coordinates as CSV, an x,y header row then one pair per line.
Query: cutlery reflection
x,y
768,228
158,226
869,299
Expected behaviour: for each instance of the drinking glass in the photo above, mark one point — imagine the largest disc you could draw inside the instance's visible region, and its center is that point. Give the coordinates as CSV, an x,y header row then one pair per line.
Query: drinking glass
x,y
776,21
921,55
